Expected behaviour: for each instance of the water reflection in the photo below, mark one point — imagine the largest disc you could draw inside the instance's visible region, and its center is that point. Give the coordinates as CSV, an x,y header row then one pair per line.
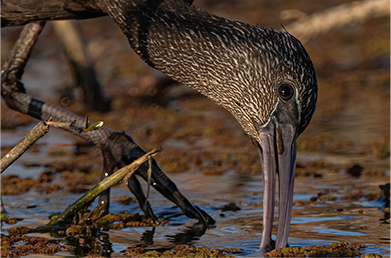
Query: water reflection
x,y
147,237
187,236
312,222
106,245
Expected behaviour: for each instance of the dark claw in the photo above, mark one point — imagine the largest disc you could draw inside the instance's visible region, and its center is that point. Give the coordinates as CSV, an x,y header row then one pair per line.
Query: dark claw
x,y
208,220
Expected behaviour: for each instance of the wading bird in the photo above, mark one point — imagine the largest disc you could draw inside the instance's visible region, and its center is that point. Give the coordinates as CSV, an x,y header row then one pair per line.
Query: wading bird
x,y
264,77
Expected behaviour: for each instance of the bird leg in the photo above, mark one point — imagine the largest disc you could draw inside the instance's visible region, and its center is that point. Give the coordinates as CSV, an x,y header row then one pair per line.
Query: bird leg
x,y
118,148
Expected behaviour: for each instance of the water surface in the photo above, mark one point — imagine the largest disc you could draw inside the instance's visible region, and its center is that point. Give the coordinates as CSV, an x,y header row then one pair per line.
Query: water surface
x,y
313,223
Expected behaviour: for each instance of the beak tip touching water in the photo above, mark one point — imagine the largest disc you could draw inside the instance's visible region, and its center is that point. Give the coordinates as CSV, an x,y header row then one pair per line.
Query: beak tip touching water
x,y
277,151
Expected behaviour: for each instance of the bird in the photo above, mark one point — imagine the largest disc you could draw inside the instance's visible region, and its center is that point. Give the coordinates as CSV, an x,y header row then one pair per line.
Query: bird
x,y
263,77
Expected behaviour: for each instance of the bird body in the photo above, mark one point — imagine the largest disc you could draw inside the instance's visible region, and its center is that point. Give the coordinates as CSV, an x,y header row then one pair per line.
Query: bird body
x,y
237,65
264,77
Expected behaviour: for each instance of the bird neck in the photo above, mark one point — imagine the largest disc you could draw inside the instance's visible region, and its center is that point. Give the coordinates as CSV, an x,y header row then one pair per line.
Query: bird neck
x,y
191,46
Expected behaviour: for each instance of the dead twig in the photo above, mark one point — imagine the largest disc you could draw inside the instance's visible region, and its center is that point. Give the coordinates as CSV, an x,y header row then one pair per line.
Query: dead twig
x,y
37,132
105,184
72,127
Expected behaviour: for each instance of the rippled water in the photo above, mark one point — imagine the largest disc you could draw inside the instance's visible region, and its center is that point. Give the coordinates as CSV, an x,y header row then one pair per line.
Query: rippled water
x,y
313,223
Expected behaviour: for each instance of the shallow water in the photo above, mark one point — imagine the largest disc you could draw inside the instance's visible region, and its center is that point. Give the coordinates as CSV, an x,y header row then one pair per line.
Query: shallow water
x,y
313,223
353,106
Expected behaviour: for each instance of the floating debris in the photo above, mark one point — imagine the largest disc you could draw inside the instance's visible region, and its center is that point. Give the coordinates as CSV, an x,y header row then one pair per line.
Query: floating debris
x,y
355,171
324,196
230,207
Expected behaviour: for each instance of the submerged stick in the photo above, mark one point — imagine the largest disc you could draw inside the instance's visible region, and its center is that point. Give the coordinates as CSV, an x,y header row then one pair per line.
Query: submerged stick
x,y
37,132
103,185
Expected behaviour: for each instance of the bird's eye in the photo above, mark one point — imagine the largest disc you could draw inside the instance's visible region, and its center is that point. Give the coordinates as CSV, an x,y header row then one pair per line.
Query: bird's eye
x,y
286,91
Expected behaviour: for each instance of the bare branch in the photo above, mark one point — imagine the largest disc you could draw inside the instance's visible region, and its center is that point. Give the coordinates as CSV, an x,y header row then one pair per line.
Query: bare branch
x,y
336,17
37,132
17,13
105,184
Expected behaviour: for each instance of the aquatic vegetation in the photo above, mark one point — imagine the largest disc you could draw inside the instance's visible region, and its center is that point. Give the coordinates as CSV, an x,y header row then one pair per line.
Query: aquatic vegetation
x,y
183,251
21,245
341,249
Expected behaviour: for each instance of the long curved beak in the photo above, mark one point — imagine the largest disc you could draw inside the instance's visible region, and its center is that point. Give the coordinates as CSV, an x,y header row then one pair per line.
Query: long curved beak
x,y
278,157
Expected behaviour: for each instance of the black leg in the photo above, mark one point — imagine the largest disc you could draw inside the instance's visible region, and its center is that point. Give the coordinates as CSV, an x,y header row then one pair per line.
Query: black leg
x,y
122,148
135,187
108,168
